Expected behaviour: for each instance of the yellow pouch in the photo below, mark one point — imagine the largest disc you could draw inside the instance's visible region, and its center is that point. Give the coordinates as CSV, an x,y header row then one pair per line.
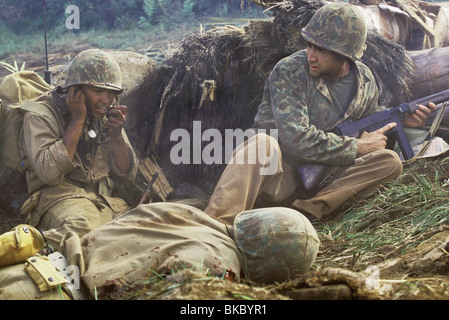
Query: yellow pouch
x,y
43,273
19,244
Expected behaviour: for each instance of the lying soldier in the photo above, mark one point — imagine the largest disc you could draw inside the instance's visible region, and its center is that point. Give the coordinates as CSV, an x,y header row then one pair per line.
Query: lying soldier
x,y
263,245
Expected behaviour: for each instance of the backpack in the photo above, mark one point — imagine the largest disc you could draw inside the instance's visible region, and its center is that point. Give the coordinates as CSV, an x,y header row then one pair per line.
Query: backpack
x,y
17,92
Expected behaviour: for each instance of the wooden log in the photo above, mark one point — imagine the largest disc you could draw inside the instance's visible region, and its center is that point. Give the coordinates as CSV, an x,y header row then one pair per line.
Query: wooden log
x,y
331,292
442,27
431,72
419,17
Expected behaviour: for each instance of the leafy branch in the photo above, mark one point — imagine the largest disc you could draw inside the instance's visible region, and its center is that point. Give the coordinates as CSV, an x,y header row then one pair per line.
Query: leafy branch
x,y
13,68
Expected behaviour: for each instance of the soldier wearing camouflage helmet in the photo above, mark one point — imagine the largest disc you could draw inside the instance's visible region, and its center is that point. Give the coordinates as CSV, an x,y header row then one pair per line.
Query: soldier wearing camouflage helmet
x,y
71,149
307,94
96,68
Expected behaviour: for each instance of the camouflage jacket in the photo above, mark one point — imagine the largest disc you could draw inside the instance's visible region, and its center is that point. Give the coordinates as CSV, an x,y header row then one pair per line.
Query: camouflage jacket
x,y
297,105
50,170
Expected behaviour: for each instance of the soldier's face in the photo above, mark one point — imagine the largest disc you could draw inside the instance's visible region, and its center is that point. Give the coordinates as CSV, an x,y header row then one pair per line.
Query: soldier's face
x,y
98,100
323,62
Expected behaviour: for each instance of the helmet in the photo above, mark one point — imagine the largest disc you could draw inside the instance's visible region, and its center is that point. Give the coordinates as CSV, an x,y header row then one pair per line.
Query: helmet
x,y
277,243
338,27
96,68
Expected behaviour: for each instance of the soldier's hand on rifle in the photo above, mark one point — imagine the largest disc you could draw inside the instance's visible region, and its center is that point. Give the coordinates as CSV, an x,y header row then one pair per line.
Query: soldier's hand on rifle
x,y
419,117
375,140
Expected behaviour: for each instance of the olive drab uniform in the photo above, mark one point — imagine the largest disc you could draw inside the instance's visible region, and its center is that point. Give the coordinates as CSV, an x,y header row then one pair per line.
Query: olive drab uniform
x,y
301,108
68,194
73,194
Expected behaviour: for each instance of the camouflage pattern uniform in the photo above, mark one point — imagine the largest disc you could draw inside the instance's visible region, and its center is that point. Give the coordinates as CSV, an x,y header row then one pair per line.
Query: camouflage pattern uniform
x,y
300,107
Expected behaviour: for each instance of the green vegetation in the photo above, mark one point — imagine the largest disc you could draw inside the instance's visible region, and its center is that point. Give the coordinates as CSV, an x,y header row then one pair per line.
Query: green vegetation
x,y
13,68
123,25
392,221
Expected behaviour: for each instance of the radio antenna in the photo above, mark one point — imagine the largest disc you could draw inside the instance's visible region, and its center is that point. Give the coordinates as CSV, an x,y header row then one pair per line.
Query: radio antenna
x,y
47,72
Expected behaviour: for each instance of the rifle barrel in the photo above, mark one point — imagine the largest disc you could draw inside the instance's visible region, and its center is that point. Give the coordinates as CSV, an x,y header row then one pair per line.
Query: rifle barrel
x,y
436,98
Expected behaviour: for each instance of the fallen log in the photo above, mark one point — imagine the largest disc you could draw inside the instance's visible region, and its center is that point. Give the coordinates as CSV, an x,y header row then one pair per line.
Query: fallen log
x,y
431,73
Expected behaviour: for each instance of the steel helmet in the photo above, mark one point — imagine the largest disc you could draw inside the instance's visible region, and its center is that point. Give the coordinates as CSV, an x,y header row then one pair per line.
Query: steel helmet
x,y
96,68
277,243
338,27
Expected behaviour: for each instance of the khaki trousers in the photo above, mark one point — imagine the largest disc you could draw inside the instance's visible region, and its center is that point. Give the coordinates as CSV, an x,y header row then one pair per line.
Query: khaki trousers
x,y
242,184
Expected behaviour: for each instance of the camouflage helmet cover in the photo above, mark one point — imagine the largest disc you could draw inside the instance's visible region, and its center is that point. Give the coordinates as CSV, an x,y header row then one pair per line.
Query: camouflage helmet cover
x,y
96,68
338,27
277,243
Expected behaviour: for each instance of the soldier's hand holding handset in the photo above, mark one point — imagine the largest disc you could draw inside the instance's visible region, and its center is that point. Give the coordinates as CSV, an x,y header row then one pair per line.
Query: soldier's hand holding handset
x,y
116,119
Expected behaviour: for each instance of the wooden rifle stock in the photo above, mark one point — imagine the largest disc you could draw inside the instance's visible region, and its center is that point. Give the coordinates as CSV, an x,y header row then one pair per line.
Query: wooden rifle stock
x,y
146,194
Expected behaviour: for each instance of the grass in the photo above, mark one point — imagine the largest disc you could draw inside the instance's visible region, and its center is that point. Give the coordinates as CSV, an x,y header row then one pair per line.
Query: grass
x,y
138,39
396,219
159,285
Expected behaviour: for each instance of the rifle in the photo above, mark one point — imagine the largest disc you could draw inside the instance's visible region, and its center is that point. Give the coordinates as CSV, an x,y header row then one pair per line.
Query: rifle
x,y
146,194
311,174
